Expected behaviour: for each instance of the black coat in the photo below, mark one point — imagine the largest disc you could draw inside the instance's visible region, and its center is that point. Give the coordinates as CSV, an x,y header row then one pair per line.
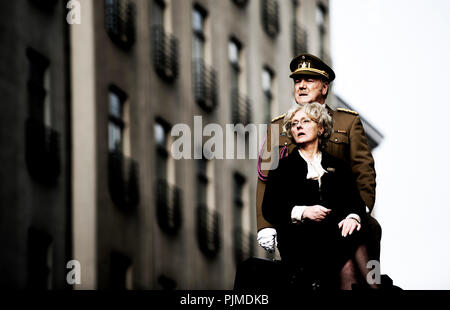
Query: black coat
x,y
312,242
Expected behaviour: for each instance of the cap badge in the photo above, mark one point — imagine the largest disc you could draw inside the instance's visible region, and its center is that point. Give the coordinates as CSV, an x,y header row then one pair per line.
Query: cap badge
x,y
304,65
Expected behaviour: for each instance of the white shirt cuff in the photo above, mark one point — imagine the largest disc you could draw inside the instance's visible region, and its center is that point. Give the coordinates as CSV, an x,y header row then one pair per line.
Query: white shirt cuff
x,y
297,213
267,232
354,216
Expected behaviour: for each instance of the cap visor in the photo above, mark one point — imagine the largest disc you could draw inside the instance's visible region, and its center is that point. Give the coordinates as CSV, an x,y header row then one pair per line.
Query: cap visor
x,y
306,73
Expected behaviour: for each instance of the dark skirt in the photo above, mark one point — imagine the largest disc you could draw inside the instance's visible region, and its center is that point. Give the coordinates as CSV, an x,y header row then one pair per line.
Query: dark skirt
x,y
317,247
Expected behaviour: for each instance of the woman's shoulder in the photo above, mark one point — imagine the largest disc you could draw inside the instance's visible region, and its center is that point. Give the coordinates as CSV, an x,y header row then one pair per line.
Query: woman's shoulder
x,y
278,166
287,161
292,159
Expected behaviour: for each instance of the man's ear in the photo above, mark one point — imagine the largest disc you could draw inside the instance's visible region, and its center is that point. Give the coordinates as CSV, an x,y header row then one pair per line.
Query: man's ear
x,y
325,88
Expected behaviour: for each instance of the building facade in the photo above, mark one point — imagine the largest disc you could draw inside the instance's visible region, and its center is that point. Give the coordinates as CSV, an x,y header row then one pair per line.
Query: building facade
x,y
35,191
122,86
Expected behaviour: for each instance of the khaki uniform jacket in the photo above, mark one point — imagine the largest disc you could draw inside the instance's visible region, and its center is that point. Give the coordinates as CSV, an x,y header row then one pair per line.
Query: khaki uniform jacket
x,y
348,141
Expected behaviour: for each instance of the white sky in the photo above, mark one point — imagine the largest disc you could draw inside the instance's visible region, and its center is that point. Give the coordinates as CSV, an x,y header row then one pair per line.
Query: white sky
x,y
392,64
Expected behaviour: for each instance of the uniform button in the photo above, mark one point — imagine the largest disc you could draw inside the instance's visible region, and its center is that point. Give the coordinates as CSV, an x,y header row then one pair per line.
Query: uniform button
x,y
285,143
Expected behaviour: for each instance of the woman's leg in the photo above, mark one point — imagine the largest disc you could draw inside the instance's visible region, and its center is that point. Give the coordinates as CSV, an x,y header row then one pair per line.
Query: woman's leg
x,y
348,275
361,259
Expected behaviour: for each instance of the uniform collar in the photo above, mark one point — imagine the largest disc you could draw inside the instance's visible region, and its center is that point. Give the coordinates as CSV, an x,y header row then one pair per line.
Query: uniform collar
x,y
330,110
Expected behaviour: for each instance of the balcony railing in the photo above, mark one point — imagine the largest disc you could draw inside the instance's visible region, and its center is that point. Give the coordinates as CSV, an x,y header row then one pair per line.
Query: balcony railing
x,y
240,3
244,244
165,54
120,22
168,207
42,152
205,85
123,181
208,231
270,17
241,108
299,39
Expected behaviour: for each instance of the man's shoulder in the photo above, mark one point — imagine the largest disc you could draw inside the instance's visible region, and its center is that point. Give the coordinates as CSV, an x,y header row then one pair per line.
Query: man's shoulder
x,y
345,114
344,118
347,111
278,118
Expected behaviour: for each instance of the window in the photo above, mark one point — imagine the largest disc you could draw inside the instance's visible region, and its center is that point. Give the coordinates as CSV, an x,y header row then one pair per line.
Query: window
x,y
42,149
158,12
202,182
208,219
121,273
320,16
234,52
299,34
161,150
238,185
270,19
242,240
204,77
117,120
123,180
198,28
238,209
168,196
39,87
240,104
120,22
267,81
40,259
205,181
165,45
116,123
321,24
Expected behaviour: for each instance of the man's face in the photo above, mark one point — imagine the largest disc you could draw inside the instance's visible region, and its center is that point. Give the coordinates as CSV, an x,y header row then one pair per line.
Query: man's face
x,y
309,89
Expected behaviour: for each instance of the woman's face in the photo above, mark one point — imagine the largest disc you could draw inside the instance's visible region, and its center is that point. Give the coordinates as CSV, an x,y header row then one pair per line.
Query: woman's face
x,y
304,129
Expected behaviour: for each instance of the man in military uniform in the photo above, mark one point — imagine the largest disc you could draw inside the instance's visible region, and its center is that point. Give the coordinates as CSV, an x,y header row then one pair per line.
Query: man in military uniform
x,y
348,141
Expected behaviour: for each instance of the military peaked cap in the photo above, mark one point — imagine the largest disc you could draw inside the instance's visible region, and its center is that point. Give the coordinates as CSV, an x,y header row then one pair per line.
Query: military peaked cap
x,y
307,64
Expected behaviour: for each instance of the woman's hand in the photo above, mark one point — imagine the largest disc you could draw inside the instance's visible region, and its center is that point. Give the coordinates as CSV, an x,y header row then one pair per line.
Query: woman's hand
x,y
316,213
348,226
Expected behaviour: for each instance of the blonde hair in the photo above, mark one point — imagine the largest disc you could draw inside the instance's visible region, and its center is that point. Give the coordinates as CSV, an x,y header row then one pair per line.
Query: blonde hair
x,y
318,113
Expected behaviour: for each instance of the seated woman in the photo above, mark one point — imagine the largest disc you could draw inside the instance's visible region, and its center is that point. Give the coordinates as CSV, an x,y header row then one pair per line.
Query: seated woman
x,y
312,201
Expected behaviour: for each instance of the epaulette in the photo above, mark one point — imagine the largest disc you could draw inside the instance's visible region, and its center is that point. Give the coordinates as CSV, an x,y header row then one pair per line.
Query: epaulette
x,y
348,111
278,117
